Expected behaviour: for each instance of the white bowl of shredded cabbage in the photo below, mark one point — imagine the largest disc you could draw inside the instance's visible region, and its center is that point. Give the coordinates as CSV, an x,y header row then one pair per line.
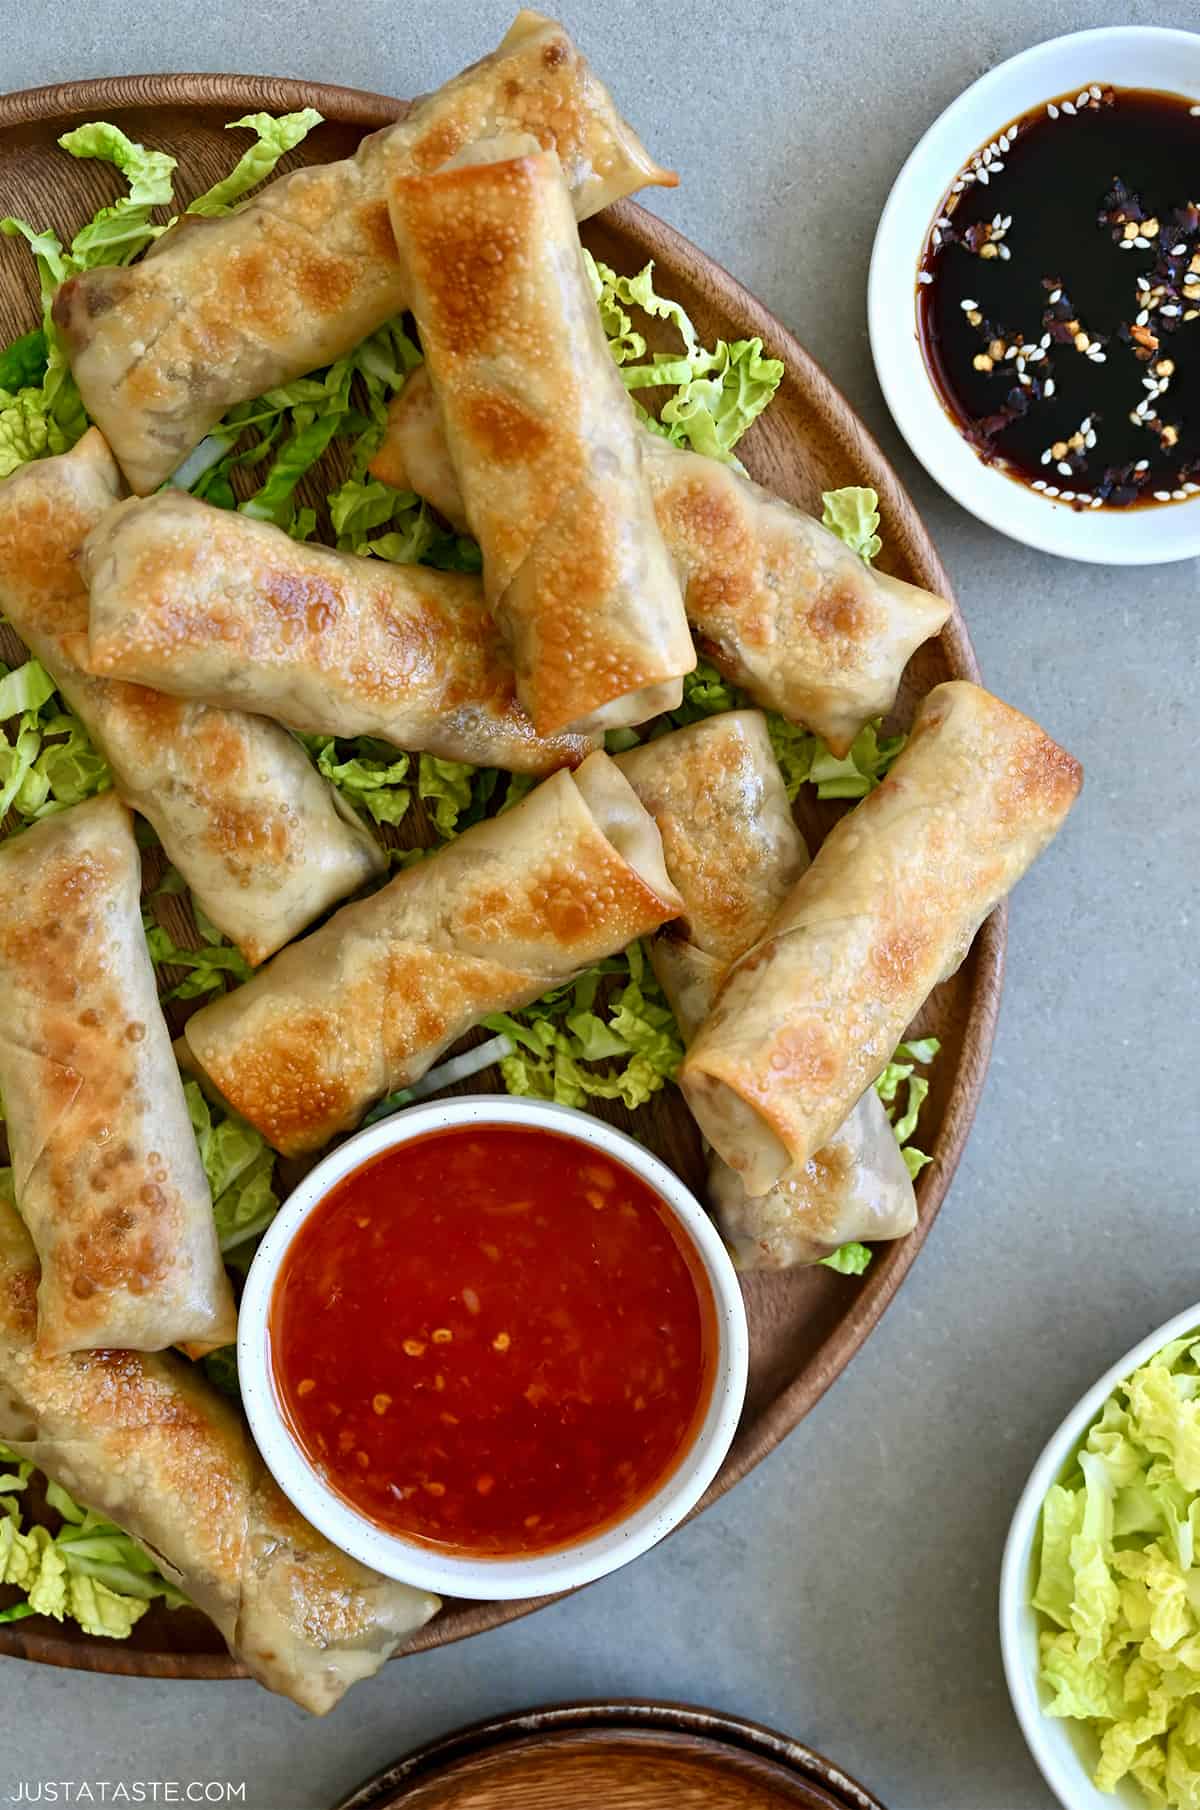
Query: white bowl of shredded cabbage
x,y
1100,1586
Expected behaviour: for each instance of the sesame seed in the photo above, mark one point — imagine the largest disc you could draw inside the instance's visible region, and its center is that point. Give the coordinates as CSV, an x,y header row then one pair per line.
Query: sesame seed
x,y
1064,468
1010,352
1142,242
1177,251
1055,295
1068,496
1169,308
1047,456
1052,110
967,306
1005,253
1068,107
1094,91
1044,341
1143,283
1194,111
1096,502
997,167
1124,244
956,188
989,151
1039,483
1048,387
1162,496
1052,490
983,177
1097,357
1142,465
924,276
1177,496
1020,365
1005,141
1142,318
1090,439
1082,97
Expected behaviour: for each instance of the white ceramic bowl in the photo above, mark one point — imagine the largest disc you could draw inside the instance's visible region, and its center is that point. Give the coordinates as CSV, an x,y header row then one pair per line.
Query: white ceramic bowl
x,y
1065,1751
426,1567
1121,56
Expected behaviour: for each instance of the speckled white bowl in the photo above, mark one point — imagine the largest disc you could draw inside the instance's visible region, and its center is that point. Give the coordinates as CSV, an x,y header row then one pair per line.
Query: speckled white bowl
x,y
425,1566
1065,1751
1121,56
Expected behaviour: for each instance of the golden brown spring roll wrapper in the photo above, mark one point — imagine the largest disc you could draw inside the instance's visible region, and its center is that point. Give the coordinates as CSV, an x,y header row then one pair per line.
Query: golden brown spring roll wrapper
x,y
734,852
543,438
209,604
519,904
105,1166
222,309
263,841
148,1442
807,1020
779,604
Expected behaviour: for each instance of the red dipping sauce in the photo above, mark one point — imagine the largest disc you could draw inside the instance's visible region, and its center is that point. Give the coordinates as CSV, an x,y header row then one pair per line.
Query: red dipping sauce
x,y
495,1340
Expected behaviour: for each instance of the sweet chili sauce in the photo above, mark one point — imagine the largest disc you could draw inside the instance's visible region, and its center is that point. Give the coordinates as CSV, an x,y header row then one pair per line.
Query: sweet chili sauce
x,y
493,1340
1058,299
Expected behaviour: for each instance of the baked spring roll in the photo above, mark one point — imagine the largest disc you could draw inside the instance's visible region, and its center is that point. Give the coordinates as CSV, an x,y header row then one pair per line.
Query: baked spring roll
x,y
542,437
806,1021
105,1167
777,602
147,1442
733,851
221,309
206,603
515,906
263,841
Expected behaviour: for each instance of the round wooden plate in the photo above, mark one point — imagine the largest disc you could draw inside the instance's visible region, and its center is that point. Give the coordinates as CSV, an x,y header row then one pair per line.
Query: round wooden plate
x,y
616,1756
806,1324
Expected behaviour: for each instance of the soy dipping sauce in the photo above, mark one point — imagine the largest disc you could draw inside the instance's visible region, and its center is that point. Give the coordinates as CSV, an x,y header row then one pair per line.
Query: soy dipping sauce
x,y
1059,299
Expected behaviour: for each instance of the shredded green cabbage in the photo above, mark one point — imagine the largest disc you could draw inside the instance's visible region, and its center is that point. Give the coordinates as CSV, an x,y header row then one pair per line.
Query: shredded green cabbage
x,y
718,392
46,759
1119,1582
89,1571
853,514
608,1036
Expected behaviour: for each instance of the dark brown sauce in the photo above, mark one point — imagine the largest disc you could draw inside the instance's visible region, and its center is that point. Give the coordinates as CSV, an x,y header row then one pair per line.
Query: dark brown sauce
x,y
1044,337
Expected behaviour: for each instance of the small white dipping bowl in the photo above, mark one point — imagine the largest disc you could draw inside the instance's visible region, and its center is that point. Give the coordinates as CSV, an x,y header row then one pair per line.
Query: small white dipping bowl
x,y
428,1567
1065,1751
1131,56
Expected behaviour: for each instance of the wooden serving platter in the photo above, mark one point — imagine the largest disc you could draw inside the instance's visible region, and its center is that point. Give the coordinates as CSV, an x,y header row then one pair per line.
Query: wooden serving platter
x,y
618,1756
807,1324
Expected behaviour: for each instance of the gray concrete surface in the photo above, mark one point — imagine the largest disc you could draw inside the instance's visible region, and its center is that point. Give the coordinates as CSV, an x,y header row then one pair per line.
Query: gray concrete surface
x,y
846,1592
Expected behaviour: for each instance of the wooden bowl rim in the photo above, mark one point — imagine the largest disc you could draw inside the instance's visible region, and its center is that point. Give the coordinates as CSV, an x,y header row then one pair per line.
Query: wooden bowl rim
x,y
714,1729
371,110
